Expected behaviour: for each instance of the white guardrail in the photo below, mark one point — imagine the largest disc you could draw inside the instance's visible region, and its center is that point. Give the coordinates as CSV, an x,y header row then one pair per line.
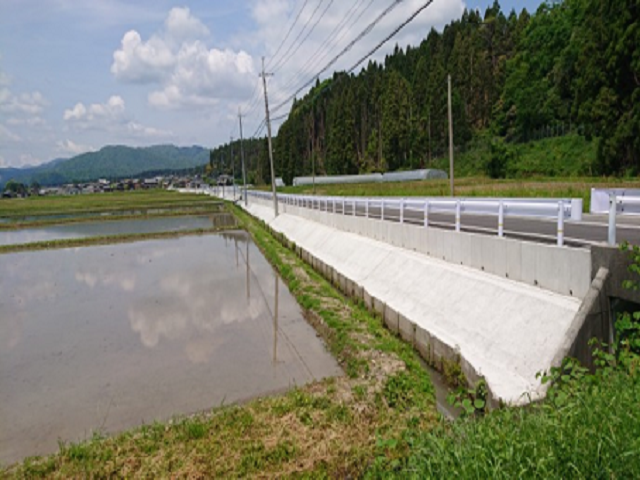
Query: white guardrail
x,y
417,210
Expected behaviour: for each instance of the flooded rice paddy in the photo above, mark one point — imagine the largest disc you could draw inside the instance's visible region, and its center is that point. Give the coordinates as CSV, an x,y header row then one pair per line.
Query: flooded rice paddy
x,y
114,227
109,337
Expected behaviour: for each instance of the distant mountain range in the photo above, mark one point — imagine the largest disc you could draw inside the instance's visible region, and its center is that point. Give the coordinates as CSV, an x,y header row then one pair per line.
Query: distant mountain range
x,y
111,162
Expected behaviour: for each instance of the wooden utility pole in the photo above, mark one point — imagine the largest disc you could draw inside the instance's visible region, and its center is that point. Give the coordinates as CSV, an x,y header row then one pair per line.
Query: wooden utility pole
x,y
268,120
450,138
244,171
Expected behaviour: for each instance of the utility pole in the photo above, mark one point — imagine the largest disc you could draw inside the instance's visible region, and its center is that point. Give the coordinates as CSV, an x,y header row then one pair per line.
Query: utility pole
x,y
450,138
266,107
244,171
233,164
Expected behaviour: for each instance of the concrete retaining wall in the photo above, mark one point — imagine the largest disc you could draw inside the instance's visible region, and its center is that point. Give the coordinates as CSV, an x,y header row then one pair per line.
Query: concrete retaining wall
x,y
566,271
493,327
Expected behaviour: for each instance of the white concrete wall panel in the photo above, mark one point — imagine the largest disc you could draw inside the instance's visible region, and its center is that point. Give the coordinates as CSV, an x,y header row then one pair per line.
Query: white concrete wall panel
x,y
505,330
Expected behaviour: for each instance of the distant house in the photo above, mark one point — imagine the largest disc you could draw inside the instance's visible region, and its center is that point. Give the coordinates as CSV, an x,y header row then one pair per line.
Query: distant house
x,y
149,183
225,180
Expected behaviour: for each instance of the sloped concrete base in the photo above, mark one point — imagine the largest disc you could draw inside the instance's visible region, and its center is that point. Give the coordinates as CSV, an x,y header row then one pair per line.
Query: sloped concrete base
x,y
495,328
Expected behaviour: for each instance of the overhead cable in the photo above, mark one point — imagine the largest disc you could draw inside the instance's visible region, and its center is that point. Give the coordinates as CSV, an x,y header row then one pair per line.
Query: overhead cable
x,y
324,12
275,55
362,34
295,41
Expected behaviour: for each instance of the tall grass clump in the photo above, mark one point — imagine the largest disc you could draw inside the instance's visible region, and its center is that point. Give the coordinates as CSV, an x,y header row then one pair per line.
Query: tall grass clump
x,y
587,427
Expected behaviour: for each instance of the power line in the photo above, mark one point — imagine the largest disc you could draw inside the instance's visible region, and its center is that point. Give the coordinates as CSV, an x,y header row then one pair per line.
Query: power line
x,y
324,12
304,27
315,59
391,35
289,32
362,34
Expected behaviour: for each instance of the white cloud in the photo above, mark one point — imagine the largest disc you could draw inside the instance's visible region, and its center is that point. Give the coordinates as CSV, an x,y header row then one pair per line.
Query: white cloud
x,y
181,26
177,59
7,135
24,103
29,122
142,62
137,130
68,146
109,117
109,111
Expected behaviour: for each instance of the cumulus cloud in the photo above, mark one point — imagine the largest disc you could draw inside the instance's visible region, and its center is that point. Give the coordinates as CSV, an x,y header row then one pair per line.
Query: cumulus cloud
x,y
177,59
110,116
138,130
24,103
111,110
68,146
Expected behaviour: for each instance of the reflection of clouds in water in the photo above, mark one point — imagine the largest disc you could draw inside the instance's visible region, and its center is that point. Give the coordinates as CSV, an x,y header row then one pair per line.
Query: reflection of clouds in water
x,y
123,280
191,310
20,285
11,329
87,278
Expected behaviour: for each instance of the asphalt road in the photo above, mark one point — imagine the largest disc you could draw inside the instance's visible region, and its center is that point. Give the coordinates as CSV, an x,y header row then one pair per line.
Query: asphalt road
x,y
593,229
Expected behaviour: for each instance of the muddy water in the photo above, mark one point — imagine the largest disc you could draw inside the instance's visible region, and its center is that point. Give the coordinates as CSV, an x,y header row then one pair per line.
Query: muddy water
x,y
110,337
116,227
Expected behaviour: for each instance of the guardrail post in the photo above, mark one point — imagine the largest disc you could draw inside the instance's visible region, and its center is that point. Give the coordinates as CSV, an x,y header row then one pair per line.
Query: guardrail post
x,y
333,201
382,210
343,204
426,213
366,208
402,210
612,219
457,215
560,224
501,219
354,207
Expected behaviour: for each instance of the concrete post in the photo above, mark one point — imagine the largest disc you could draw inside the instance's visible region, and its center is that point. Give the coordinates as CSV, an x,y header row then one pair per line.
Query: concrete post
x,y
501,219
560,224
426,213
457,215
333,200
612,219
354,207
343,204
382,210
366,208
402,210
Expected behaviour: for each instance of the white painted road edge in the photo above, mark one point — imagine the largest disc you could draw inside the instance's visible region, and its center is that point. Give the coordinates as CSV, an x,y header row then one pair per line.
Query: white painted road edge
x,y
506,330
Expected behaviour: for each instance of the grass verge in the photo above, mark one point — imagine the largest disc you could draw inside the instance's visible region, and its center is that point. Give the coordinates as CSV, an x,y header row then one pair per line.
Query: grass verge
x,y
107,239
44,221
100,202
338,427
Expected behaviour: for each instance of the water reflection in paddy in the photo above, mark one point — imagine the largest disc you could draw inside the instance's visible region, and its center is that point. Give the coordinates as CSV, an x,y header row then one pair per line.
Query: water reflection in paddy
x,y
115,227
113,336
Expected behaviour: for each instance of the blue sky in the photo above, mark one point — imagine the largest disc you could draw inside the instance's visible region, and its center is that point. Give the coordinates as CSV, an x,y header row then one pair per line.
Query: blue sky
x,y
76,75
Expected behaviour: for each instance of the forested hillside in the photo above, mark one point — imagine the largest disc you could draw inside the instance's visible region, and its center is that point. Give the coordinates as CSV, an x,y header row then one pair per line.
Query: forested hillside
x,y
571,67
111,162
